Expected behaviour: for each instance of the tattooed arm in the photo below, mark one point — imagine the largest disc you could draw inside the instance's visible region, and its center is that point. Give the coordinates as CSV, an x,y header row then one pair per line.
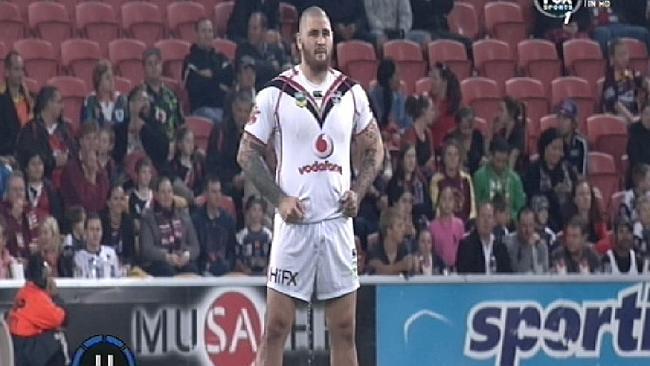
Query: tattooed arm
x,y
370,150
251,159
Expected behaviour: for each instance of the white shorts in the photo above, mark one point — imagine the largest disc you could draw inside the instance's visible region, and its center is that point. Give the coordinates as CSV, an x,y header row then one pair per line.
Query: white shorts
x,y
308,258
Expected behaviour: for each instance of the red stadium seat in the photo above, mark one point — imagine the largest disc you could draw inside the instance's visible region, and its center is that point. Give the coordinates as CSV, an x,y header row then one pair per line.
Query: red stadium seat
x,y
126,56
602,173
423,85
505,21
73,92
79,57
608,134
201,127
538,59
222,12
208,5
548,121
577,89
143,21
50,21
531,92
358,60
493,59
173,53
225,46
39,58
288,22
408,56
12,27
528,12
123,85
483,95
584,58
463,20
638,54
451,53
97,21
182,18
69,6
117,6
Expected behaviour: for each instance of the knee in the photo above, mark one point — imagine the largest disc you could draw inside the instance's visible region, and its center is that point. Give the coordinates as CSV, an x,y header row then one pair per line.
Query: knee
x,y
277,328
342,331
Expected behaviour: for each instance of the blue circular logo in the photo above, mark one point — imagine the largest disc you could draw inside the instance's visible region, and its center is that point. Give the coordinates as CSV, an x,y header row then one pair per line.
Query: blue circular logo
x,y
103,350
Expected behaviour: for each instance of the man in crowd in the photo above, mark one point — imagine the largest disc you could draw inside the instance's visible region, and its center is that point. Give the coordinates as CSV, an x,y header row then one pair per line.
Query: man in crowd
x,y
622,258
391,255
96,260
576,255
165,107
528,253
575,145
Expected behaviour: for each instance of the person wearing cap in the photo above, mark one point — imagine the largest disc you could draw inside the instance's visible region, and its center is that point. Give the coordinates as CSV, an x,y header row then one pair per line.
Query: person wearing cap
x,y
539,206
575,145
622,258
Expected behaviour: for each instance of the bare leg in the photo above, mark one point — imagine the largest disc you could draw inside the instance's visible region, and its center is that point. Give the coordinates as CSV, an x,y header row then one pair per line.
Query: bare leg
x,y
280,313
341,321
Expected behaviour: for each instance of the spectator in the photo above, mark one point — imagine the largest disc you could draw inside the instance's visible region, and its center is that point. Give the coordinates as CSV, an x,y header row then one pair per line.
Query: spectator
x,y
105,104
621,83
622,258
388,19
479,252
496,177
143,133
215,230
35,324
576,255
575,145
6,259
470,139
638,137
586,206
96,260
75,217
269,59
188,164
207,73
15,103
254,241
42,196
85,184
640,188
118,228
642,227
47,133
168,242
141,196
502,218
242,12
447,230
426,262
105,146
50,245
539,205
446,95
423,112
408,177
510,124
622,19
528,253
551,176
391,255
430,18
245,80
21,223
165,108
388,101
451,175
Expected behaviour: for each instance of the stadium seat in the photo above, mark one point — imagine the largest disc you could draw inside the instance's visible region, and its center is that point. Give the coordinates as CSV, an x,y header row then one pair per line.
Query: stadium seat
x,y
608,134
73,92
143,21
602,173
548,121
222,12
123,85
208,5
173,53
423,85
528,12
32,85
126,56
408,56
584,58
577,89
12,27
117,6
225,46
50,21
39,58
288,22
463,20
182,18
638,54
451,53
97,21
201,127
532,93
538,59
493,59
79,57
483,95
358,60
69,6
505,21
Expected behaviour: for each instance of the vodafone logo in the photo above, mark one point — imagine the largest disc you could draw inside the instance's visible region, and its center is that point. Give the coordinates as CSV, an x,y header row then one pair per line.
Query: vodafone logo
x,y
323,146
233,330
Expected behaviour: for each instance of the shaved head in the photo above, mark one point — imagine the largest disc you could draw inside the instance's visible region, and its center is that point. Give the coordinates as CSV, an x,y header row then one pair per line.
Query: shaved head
x,y
312,11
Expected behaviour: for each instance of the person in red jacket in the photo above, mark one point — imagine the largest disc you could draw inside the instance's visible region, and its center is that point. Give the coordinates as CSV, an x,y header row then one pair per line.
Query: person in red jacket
x,y
36,319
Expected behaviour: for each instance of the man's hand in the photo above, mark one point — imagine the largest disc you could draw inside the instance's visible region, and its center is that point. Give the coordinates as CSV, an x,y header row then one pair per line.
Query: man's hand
x,y
291,210
206,73
172,259
349,204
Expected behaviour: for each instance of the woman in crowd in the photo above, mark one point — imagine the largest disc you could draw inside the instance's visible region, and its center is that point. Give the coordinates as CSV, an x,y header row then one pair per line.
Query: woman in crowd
x,y
118,229
451,175
586,206
141,196
446,95
387,98
423,112
42,196
105,105
511,125
470,140
188,165
50,244
426,261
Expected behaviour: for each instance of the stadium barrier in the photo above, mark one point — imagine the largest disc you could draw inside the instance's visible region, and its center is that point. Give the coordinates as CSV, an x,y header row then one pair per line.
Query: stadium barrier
x,y
452,320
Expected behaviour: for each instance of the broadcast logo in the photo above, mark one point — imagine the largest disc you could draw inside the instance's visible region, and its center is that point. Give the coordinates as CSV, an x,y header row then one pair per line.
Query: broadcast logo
x,y
558,8
103,350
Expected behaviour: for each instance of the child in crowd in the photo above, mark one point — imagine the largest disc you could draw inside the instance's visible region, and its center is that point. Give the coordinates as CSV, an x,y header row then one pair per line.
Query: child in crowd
x,y
426,261
539,205
254,241
447,230
141,196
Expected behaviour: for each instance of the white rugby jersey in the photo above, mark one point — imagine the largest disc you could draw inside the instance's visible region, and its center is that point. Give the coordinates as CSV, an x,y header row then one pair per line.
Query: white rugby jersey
x,y
312,128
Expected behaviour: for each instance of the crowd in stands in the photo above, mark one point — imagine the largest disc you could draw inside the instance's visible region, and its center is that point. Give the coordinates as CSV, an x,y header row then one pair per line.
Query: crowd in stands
x,y
146,181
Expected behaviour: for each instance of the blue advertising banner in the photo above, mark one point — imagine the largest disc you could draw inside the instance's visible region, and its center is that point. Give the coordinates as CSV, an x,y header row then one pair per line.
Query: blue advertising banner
x,y
510,324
